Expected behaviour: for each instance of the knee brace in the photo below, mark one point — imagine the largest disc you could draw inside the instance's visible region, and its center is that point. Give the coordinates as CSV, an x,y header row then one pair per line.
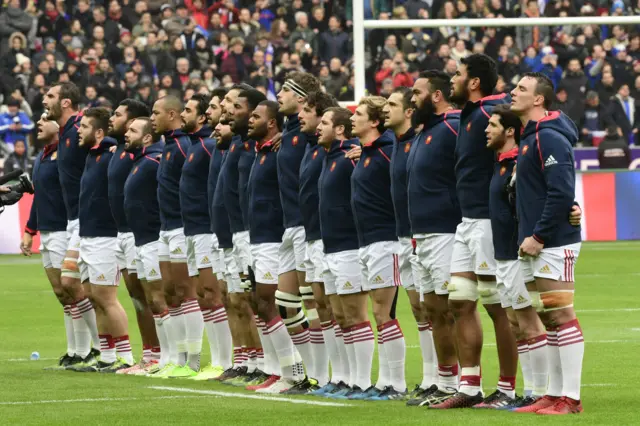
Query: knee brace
x,y
556,299
286,301
306,293
461,289
536,301
488,291
70,268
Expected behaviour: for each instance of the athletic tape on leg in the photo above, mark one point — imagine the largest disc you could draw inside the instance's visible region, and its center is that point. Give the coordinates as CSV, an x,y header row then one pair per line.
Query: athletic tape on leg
x,y
70,268
536,301
488,291
556,299
461,288
286,301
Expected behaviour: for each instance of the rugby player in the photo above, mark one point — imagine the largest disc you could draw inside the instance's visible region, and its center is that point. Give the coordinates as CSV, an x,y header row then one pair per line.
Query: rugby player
x,y
98,244
165,119
119,169
342,276
61,105
143,215
48,216
545,188
292,289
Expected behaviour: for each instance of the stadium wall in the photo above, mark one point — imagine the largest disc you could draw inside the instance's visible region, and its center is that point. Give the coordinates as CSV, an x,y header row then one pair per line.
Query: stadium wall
x,y
610,202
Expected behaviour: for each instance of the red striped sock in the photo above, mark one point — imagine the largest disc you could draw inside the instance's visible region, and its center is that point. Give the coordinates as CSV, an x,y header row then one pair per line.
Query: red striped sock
x,y
123,348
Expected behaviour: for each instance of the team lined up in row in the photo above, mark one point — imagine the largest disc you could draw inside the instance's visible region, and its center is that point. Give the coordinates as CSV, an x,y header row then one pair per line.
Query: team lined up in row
x,y
261,218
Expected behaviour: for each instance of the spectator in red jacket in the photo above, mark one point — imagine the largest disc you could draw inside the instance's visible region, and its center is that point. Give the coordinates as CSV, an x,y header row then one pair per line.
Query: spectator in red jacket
x,y
237,63
198,12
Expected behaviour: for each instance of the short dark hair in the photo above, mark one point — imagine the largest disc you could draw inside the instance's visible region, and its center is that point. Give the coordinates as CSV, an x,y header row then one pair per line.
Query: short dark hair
x,y
407,94
321,101
69,90
253,97
273,108
172,103
438,80
148,129
241,87
135,108
99,118
307,81
484,68
202,103
509,119
220,92
544,87
342,117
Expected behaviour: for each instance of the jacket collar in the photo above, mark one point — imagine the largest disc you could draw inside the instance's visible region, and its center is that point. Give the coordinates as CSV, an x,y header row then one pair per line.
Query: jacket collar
x,y
103,146
509,155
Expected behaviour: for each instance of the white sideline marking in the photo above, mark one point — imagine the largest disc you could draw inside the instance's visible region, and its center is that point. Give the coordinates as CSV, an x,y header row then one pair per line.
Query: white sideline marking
x,y
29,359
598,385
246,396
608,310
58,401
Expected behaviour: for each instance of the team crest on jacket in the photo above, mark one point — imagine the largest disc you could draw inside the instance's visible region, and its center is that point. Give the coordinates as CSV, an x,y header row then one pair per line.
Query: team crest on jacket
x,y
191,157
294,141
333,166
503,170
233,148
135,170
168,156
54,155
98,158
122,155
468,126
428,140
315,154
407,147
246,146
262,159
525,149
367,161
68,143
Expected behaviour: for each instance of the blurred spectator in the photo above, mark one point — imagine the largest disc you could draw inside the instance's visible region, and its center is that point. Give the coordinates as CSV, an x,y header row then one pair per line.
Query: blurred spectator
x,y
613,151
18,159
625,115
12,20
537,36
594,119
14,124
334,43
606,87
337,78
237,63
303,32
245,28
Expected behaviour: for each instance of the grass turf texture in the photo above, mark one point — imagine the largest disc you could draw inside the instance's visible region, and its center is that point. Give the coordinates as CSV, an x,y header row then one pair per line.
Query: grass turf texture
x,y
607,300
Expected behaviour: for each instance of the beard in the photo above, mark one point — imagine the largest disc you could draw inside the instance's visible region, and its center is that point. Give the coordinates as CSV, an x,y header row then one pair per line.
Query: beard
x,y
423,114
55,112
188,126
89,141
117,134
460,98
132,146
240,126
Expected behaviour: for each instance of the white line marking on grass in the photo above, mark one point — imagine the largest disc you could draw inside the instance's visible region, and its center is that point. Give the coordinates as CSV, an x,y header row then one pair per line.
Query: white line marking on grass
x,y
246,396
58,401
27,359
598,385
608,310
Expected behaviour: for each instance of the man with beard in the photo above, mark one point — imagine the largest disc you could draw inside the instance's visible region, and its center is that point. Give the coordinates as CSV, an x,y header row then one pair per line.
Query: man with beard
x,y
119,169
98,244
61,105
325,344
165,119
473,265
431,182
291,278
48,217
141,209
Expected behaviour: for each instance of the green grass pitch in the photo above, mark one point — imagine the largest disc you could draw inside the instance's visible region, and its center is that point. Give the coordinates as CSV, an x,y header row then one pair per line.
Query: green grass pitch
x,y
607,300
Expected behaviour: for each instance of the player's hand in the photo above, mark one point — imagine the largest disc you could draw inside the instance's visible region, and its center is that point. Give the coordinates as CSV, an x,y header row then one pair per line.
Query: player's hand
x,y
4,189
530,247
26,244
576,215
354,153
277,141
112,149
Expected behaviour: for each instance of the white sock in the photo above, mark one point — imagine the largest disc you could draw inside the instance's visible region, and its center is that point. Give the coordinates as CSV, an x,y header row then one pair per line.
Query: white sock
x,y
571,345
351,357
85,308
320,357
81,333
363,343
271,365
222,336
107,348
395,348
538,355
207,316
298,367
507,385
123,349
283,346
470,380
170,324
525,366
331,345
448,377
555,366
161,331
194,329
252,360
342,361
68,328
427,348
260,356
179,333
238,357
302,342
383,364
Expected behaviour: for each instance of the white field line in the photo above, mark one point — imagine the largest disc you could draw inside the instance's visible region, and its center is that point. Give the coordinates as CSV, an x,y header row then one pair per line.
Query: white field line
x,y
64,401
247,396
598,385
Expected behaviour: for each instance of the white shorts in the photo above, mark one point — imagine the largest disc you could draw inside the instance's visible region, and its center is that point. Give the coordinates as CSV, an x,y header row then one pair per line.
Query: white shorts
x,y
342,273
242,251
73,235
313,262
557,263
231,272
53,248
148,262
173,246
217,256
511,277
380,265
98,259
199,253
408,264
473,248
265,262
434,253
292,250
126,252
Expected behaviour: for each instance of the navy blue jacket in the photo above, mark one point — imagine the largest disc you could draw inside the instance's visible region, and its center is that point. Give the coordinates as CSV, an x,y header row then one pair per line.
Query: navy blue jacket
x,y
235,170
71,158
503,218
292,149
48,212
214,171
399,159
310,169
219,213
337,224
140,199
265,210
371,199
474,161
95,215
194,184
119,168
545,183
177,144
247,155
431,180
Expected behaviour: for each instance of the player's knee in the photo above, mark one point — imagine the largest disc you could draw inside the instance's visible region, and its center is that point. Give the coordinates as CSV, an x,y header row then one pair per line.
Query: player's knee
x,y
417,311
381,314
290,308
488,292
462,289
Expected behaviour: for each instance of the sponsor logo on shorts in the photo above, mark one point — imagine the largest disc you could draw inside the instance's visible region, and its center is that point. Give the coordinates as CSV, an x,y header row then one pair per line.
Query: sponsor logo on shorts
x,y
378,280
268,276
545,269
205,260
521,300
483,266
445,285
101,278
301,265
153,273
177,250
347,285
134,262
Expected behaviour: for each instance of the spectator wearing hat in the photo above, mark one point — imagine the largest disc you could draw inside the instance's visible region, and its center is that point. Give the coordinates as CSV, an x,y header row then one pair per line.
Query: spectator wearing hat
x,y
17,44
549,65
14,19
237,63
14,124
625,115
613,151
594,120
